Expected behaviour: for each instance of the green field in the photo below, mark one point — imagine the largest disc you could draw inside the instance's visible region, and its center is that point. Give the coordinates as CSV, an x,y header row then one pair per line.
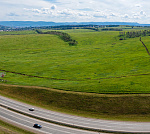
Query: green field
x,y
18,32
116,72
99,63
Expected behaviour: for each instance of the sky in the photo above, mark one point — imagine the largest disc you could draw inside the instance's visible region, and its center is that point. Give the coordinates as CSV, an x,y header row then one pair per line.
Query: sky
x,y
76,10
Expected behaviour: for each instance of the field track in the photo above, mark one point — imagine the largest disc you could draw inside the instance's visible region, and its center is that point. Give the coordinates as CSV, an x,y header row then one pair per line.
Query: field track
x,y
145,47
74,80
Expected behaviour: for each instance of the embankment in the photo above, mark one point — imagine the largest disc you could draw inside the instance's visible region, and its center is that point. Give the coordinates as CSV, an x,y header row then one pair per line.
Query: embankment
x,y
87,103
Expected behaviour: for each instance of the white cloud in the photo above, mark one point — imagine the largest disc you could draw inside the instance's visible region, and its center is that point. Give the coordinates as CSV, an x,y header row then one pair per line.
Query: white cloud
x,y
136,16
79,10
138,5
113,14
142,13
12,14
53,7
126,16
100,14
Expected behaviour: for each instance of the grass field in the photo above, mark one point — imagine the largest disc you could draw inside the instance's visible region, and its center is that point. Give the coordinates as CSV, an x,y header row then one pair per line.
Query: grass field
x,y
100,63
18,32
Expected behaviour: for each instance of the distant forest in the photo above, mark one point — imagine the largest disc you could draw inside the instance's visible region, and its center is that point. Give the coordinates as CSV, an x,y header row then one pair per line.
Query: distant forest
x,y
65,27
62,27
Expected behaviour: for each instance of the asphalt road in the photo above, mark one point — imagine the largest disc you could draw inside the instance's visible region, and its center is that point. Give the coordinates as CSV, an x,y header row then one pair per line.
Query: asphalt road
x,y
28,122
101,125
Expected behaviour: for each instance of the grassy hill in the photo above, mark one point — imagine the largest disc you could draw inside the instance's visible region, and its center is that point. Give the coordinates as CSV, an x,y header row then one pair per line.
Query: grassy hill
x,y
100,63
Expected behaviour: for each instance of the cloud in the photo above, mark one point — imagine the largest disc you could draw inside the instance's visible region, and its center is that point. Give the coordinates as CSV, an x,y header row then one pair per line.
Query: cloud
x,y
41,10
86,9
12,14
142,13
80,15
83,14
136,16
53,7
100,14
51,1
126,16
138,5
36,10
113,14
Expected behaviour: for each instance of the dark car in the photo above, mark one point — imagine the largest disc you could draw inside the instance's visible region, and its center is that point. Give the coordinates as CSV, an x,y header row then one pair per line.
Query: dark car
x,y
37,126
31,109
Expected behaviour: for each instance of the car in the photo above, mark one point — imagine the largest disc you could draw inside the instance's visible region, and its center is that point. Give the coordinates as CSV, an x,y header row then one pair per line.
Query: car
x,y
37,126
31,109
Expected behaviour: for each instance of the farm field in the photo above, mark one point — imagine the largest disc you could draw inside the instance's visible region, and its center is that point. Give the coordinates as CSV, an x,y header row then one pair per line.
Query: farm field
x,y
99,63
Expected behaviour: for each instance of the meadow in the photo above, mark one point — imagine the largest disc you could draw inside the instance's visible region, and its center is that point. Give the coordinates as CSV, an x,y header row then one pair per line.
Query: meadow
x,y
99,63
100,77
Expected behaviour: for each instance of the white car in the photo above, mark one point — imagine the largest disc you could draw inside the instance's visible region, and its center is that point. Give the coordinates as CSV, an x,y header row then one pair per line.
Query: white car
x,y
31,109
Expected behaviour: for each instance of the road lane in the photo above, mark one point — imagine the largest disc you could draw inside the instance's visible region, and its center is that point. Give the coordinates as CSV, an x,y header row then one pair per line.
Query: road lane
x,y
48,128
105,125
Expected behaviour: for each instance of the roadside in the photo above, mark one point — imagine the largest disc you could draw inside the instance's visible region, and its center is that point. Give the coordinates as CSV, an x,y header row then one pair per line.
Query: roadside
x,y
7,128
74,121
128,107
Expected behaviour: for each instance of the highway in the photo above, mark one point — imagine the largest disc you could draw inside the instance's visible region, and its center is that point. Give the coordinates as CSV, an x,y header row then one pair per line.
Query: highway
x,y
28,122
81,122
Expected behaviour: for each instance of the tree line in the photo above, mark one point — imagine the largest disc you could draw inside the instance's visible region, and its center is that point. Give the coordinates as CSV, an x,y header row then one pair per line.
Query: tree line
x,y
64,36
111,29
133,34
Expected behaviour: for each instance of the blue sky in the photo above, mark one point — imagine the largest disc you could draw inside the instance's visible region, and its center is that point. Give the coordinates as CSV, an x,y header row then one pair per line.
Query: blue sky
x,y
76,10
